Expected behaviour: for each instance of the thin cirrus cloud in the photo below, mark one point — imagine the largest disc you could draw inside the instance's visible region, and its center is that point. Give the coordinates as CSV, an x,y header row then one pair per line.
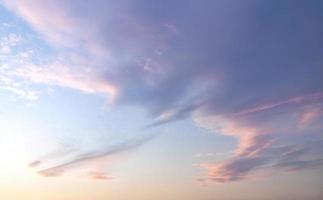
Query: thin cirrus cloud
x,y
99,175
250,69
45,167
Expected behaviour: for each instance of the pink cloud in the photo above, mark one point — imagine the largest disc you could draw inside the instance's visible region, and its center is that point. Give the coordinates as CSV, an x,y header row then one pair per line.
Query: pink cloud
x,y
233,170
308,117
99,175
272,105
120,41
251,138
64,76
59,28
268,141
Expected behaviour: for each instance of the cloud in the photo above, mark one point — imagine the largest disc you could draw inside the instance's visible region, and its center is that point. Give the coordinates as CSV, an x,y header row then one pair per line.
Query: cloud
x,y
290,101
251,69
300,164
269,139
8,42
309,117
228,55
61,75
8,83
99,175
77,158
234,170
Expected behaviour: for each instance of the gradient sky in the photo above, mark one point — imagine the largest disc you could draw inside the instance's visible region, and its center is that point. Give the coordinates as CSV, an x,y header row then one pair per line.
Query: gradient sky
x,y
163,100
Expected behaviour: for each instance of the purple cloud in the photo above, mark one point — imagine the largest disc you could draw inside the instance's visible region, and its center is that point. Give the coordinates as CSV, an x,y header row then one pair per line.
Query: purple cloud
x,y
249,69
270,139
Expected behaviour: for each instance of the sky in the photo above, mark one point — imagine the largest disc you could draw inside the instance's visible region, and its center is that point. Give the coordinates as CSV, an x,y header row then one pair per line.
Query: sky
x,y
164,100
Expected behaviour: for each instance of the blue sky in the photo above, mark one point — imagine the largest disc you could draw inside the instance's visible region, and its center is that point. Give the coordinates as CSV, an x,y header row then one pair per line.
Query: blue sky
x,y
161,99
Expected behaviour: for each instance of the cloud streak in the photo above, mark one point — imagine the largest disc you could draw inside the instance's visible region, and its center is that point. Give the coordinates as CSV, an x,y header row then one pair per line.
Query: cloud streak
x,y
85,157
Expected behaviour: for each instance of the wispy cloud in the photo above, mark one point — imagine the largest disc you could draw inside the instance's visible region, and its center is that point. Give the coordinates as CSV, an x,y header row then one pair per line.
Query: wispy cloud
x,y
85,157
294,100
99,175
62,75
8,42
268,140
247,75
